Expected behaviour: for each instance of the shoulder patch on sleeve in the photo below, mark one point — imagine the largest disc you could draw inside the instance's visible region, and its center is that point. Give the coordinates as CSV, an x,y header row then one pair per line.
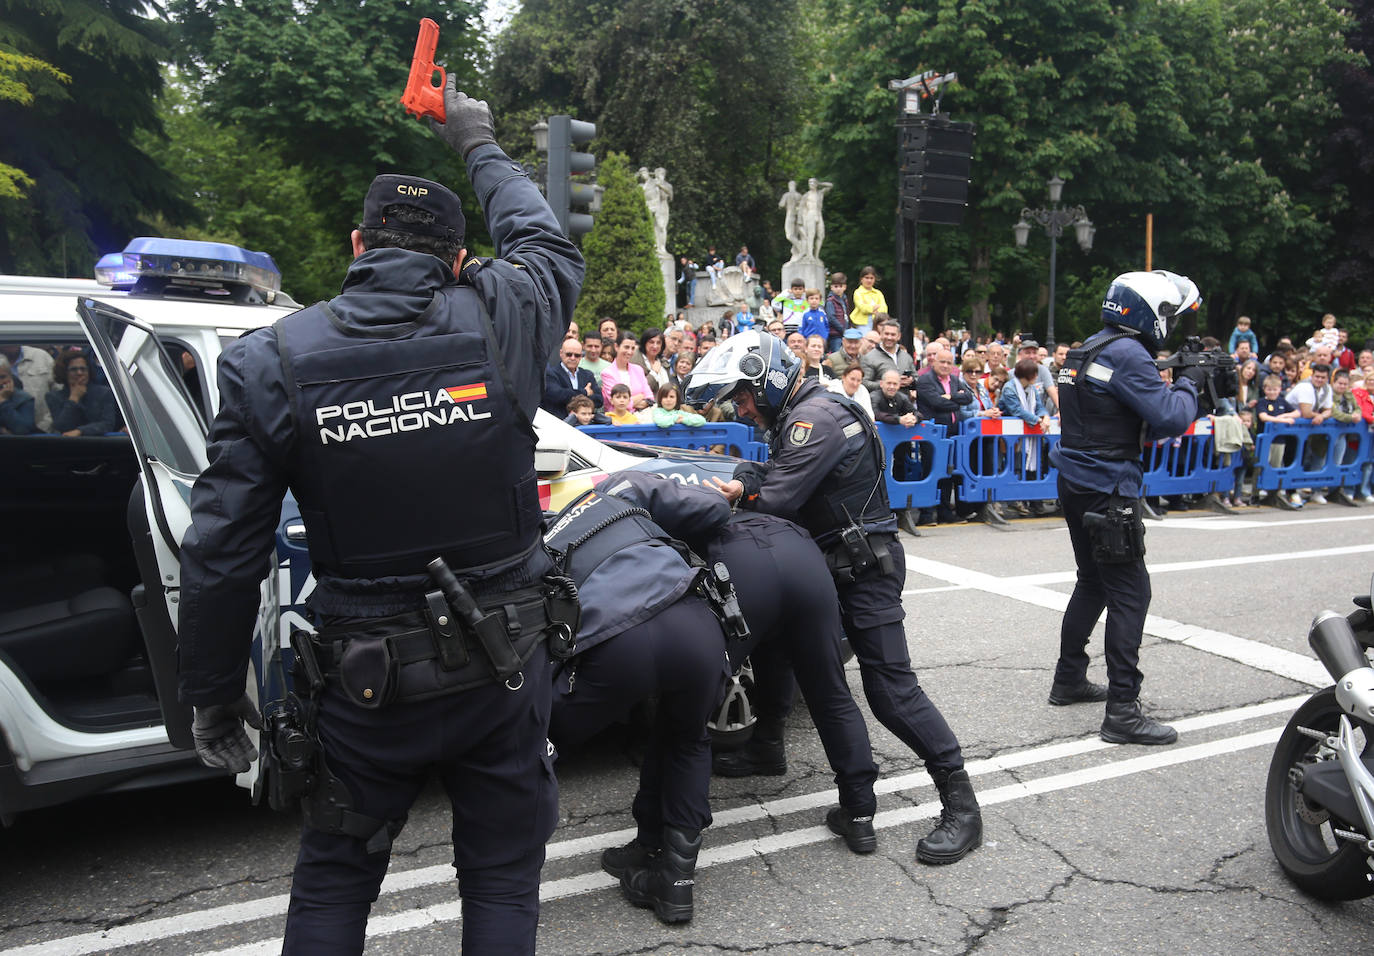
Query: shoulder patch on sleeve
x,y
1098,372
852,429
799,433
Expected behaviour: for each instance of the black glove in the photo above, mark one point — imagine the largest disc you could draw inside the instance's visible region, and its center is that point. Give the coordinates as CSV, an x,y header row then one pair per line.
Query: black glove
x,y
467,122
219,735
1195,374
962,398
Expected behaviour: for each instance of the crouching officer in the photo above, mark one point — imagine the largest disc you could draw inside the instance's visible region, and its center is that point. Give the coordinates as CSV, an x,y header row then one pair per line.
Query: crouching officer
x,y
399,415
1111,401
788,598
826,470
649,628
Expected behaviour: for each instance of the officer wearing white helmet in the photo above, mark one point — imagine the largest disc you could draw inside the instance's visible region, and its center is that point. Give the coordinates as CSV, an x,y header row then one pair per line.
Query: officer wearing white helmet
x,y
1111,402
827,472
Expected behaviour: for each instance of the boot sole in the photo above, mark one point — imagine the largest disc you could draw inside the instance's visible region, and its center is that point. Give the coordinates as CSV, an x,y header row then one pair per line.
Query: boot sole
x,y
666,912
943,859
756,770
1068,701
1113,738
860,845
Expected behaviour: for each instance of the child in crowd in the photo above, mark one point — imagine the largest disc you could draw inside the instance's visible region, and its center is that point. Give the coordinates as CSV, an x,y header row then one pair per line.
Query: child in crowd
x,y
621,413
836,312
1245,470
1274,408
867,299
793,305
1327,335
582,411
1242,333
813,320
668,412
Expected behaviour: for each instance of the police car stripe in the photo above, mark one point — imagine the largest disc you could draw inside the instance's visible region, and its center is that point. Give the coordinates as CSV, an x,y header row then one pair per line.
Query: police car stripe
x,y
1099,372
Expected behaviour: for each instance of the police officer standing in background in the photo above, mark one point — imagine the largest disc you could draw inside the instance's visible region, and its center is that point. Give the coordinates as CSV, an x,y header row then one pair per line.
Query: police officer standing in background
x,y
826,470
399,414
1112,401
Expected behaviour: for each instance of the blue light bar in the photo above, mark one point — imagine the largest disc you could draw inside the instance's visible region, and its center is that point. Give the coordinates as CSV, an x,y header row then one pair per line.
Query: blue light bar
x,y
189,262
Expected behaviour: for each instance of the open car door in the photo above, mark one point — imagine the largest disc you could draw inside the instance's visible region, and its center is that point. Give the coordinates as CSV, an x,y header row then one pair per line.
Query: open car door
x,y
168,433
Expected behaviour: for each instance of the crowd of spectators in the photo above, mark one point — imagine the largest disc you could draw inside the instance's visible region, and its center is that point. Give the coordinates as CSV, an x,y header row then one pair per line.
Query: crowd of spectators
x,y
54,390
853,346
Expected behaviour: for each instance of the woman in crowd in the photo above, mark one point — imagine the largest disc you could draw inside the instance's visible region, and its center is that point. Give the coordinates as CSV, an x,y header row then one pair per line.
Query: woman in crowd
x,y
650,358
623,371
1248,391
983,404
813,359
851,383
682,368
80,407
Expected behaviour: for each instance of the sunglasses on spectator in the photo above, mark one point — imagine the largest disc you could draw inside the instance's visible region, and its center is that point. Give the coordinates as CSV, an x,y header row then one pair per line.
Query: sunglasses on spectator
x,y
572,353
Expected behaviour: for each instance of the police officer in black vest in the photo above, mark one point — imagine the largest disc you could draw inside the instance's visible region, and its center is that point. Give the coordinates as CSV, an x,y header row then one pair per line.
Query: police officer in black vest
x,y
399,414
1111,401
649,629
826,470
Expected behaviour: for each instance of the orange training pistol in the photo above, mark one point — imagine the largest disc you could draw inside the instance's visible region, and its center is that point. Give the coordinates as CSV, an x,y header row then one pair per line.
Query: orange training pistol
x,y
421,96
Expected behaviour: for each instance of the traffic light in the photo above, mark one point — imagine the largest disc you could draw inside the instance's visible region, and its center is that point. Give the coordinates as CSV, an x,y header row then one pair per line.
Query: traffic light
x,y
565,190
936,156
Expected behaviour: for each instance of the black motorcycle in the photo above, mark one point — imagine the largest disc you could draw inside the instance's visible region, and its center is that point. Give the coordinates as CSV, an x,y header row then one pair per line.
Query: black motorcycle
x,y
1319,797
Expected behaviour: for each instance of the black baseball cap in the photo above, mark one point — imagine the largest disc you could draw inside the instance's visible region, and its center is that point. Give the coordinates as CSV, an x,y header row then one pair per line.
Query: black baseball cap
x,y
433,198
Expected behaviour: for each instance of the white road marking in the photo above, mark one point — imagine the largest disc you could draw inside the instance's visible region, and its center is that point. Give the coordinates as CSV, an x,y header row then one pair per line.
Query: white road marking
x,y
1228,523
793,839
1256,654
164,928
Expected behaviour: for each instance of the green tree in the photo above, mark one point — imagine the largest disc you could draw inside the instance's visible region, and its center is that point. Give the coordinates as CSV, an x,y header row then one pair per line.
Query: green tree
x,y
246,194
716,93
623,280
322,81
14,181
93,187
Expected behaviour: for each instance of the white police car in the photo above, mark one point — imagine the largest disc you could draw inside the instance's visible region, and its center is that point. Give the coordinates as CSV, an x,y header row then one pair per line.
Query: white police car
x,y
88,564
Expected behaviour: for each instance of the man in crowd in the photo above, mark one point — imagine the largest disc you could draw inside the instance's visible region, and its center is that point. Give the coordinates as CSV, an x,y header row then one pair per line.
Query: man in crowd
x,y
889,354
566,378
1029,348
846,355
591,356
939,395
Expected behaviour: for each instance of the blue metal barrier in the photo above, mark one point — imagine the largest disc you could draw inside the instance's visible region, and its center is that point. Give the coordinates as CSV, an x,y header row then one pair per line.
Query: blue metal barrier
x,y
1004,459
1187,465
918,458
737,437
1310,456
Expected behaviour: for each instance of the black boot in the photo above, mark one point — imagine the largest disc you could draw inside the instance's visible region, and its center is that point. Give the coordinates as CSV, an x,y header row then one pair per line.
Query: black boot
x,y
906,520
666,883
763,756
1083,692
1125,724
618,859
961,824
857,830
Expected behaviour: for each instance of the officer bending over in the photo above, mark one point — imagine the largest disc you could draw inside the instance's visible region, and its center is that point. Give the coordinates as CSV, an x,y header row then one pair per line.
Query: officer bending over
x,y
1112,401
399,415
826,470
647,630
788,598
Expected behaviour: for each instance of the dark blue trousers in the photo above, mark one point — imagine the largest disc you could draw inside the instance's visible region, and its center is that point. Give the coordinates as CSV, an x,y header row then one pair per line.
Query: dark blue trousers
x,y
788,598
677,655
1123,590
489,747
873,619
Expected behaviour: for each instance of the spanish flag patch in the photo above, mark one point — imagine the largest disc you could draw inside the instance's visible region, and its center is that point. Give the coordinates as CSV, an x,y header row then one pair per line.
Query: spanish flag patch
x,y
467,393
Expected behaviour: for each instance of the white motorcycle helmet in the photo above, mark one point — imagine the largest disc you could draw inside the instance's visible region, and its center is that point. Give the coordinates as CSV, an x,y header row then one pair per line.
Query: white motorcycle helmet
x,y
1149,303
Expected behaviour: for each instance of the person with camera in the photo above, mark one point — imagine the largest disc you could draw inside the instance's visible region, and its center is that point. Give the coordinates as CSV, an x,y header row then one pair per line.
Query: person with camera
x,y
399,415
1111,401
826,471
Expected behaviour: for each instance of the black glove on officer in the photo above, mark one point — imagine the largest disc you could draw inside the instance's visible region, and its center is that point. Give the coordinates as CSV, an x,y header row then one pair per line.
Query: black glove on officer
x,y
1195,374
467,122
219,735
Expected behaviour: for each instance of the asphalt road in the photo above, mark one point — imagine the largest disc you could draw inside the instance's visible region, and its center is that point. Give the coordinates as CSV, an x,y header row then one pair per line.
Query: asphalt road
x,y
1090,848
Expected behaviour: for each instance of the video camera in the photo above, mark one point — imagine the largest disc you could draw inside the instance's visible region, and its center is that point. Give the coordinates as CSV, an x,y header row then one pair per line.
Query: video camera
x,y
1218,377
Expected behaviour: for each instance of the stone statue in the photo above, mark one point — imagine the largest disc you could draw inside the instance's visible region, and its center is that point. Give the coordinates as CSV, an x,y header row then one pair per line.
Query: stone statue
x,y
658,193
811,231
790,203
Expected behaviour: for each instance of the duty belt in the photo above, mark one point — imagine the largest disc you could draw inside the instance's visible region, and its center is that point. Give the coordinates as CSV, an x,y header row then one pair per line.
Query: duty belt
x,y
412,657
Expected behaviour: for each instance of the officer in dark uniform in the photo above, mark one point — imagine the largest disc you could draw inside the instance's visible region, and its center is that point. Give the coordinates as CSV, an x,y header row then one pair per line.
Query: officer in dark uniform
x,y
826,470
647,630
789,601
399,414
1111,401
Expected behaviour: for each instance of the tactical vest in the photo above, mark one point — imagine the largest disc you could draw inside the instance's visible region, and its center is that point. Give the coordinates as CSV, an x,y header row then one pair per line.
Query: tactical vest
x,y
595,526
854,490
411,445
1090,419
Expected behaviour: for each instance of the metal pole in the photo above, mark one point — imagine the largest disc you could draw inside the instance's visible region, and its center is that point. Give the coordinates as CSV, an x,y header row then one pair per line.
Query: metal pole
x,y
1054,246
1149,241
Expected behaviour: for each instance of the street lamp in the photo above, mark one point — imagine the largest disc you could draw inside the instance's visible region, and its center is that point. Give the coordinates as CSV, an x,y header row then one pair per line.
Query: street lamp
x,y
1054,219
